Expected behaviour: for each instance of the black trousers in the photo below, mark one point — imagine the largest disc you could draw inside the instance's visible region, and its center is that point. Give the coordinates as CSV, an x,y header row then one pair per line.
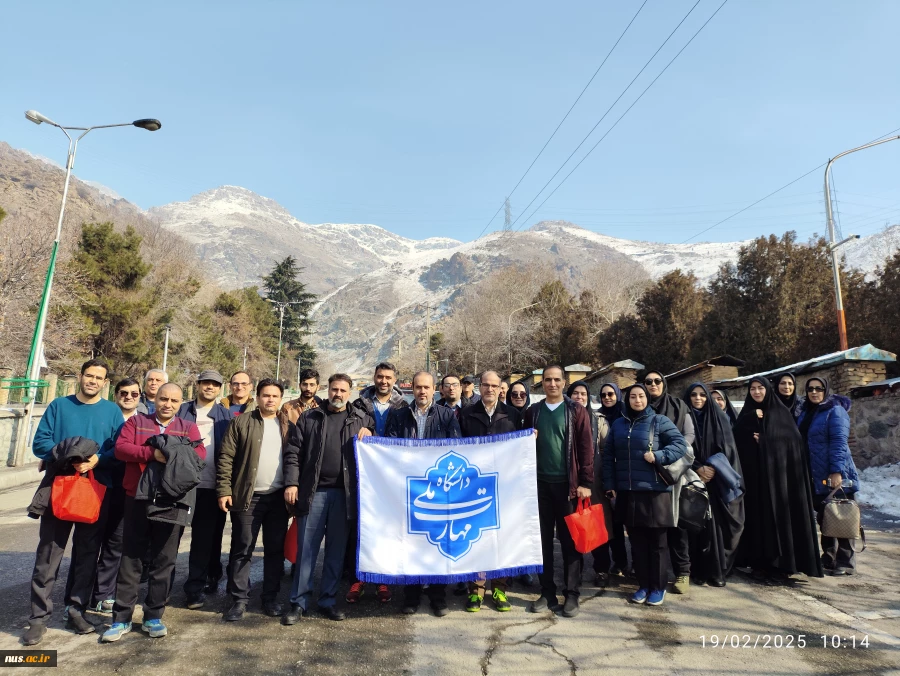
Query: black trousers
x,y
553,506
613,553
836,552
143,535
648,553
412,593
207,527
111,547
266,511
53,536
679,551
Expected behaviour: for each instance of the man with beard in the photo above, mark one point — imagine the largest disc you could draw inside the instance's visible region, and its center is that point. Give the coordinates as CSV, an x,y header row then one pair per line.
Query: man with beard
x,y
424,420
309,386
451,394
378,401
320,485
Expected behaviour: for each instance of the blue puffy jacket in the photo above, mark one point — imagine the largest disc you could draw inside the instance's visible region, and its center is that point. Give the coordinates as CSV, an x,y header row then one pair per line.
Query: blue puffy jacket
x,y
624,467
827,438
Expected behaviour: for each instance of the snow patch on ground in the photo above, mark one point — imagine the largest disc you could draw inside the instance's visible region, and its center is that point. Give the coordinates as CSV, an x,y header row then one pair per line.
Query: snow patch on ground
x,y
880,488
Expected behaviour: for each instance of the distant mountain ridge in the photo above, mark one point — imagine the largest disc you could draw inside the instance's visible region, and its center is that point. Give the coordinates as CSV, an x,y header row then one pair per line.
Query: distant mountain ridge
x,y
368,279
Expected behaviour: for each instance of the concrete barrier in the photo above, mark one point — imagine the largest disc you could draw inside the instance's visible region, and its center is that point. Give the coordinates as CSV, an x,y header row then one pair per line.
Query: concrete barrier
x,y
12,419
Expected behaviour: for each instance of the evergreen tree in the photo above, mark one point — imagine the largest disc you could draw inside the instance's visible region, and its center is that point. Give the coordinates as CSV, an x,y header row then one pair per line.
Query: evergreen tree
x,y
283,285
662,334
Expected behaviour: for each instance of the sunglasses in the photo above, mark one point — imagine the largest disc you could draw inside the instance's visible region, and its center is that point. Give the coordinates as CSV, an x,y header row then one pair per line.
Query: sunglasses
x,y
698,395
129,395
517,395
815,388
653,381
607,395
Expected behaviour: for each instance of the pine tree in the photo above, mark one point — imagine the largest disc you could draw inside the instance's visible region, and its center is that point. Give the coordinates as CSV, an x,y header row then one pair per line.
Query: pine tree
x,y
283,285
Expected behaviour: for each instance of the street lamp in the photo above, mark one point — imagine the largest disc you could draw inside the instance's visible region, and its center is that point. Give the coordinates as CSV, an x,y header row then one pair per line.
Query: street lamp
x,y
509,332
282,304
37,342
832,245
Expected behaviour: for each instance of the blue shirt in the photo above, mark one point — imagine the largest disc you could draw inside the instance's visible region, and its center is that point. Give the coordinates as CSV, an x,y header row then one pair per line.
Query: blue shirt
x,y
67,417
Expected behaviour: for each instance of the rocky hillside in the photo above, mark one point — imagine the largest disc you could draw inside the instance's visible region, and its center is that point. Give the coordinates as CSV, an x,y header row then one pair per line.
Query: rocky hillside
x,y
239,235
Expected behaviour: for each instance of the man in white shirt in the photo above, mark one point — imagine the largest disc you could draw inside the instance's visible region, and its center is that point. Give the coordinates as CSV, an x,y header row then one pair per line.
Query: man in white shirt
x,y
205,562
250,483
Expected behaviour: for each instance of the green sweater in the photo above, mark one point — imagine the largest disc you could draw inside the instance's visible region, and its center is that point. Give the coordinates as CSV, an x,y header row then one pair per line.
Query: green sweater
x,y
551,445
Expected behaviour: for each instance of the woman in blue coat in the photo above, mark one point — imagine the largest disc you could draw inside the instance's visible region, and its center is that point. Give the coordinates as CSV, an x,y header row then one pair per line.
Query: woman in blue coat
x,y
638,444
825,427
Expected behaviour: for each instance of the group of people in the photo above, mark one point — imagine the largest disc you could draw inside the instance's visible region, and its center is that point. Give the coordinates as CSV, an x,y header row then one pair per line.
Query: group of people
x,y
168,464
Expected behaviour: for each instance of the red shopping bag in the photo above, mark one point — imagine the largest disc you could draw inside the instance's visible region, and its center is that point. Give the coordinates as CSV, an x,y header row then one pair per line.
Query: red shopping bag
x,y
290,542
77,498
587,526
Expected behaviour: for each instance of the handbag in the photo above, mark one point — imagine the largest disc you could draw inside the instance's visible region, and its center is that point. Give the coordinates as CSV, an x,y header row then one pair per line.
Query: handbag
x,y
290,542
840,518
668,474
587,526
77,498
693,507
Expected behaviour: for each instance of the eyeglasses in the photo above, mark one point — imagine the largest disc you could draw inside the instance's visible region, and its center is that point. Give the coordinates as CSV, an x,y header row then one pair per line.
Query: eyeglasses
x,y
815,388
129,395
240,384
653,381
698,395
607,395
517,395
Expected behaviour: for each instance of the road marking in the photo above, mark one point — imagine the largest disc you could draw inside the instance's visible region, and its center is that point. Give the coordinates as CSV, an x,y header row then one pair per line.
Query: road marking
x,y
823,609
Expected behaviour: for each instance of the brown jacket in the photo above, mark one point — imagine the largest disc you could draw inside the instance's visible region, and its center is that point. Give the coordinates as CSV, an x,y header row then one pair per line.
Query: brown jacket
x,y
293,409
251,403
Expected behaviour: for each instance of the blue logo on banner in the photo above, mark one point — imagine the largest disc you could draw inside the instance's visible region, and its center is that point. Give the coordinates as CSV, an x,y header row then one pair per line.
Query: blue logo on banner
x,y
452,504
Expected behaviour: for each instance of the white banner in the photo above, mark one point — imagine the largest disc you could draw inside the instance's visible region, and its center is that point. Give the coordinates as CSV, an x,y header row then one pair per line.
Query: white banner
x,y
435,511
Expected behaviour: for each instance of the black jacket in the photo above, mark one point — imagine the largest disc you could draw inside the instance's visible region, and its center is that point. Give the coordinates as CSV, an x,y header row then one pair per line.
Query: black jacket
x,y
303,456
171,487
474,420
67,451
441,423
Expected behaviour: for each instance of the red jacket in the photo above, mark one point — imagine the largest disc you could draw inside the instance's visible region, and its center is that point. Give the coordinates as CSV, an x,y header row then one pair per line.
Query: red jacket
x,y
132,448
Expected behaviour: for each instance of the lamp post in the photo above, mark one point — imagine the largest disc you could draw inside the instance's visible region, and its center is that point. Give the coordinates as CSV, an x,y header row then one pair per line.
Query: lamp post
x,y
282,304
166,349
509,331
833,246
37,342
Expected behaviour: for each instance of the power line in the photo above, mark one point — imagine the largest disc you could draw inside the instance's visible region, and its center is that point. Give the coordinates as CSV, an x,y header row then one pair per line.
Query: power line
x,y
750,206
624,91
565,117
600,140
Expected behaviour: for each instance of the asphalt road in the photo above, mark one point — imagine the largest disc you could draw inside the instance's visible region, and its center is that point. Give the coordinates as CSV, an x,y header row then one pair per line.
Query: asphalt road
x,y
609,636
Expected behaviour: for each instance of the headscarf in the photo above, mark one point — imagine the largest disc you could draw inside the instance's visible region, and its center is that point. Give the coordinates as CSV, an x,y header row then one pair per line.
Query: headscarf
x,y
572,387
667,405
809,408
629,412
712,428
615,411
523,383
790,402
729,407
780,530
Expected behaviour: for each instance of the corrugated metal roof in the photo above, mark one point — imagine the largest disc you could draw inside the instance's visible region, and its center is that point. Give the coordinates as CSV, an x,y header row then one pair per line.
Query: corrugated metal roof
x,y
624,364
722,360
864,353
578,367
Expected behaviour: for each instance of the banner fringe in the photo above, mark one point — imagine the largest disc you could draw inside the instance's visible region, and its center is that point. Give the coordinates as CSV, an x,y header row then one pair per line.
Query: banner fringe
x,y
377,578
467,441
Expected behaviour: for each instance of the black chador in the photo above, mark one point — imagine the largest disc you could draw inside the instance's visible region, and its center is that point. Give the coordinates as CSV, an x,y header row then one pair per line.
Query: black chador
x,y
779,529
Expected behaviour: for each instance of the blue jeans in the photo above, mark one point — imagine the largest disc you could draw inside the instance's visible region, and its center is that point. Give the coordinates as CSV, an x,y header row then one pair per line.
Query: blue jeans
x,y
327,516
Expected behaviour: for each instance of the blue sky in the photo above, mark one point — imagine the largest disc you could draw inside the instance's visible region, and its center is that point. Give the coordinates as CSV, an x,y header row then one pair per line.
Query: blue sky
x,y
420,117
